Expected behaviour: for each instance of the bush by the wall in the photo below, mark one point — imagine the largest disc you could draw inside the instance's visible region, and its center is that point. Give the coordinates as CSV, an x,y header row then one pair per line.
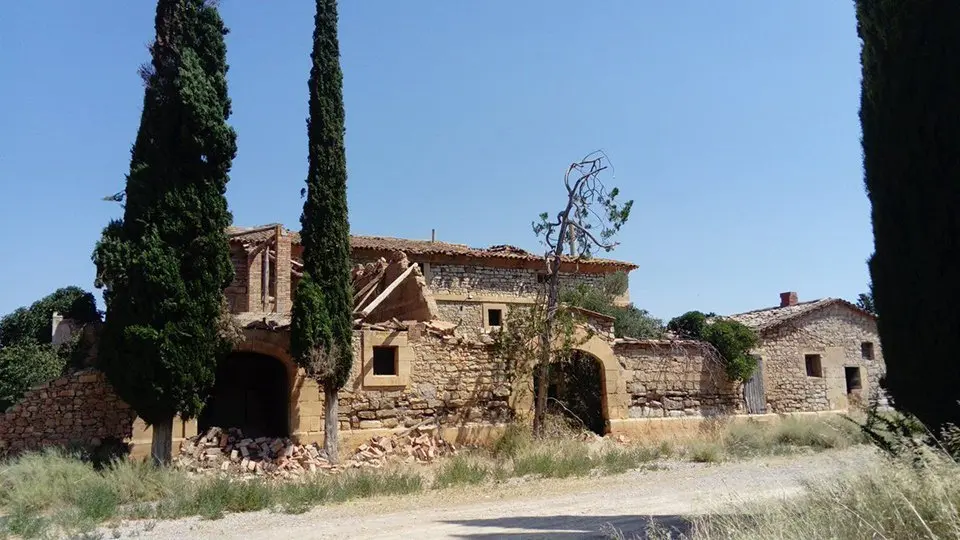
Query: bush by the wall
x,y
732,340
24,366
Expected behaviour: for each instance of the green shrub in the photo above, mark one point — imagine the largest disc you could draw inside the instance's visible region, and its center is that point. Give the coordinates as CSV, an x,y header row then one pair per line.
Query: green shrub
x,y
733,341
24,366
460,471
32,324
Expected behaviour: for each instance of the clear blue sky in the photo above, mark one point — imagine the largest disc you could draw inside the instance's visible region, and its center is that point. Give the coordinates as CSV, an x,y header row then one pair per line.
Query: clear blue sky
x,y
732,124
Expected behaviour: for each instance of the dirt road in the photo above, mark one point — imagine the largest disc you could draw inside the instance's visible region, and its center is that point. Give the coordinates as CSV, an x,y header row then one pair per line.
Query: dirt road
x,y
578,508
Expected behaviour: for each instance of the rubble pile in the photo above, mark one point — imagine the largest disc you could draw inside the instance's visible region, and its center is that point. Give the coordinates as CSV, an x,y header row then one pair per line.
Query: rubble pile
x,y
421,445
229,451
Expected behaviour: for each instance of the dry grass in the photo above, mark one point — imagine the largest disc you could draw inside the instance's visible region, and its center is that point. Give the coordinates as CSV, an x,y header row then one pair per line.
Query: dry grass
x,y
894,500
52,491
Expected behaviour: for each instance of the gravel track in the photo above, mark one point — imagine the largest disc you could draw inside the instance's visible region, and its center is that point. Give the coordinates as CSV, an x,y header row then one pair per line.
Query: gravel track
x,y
577,508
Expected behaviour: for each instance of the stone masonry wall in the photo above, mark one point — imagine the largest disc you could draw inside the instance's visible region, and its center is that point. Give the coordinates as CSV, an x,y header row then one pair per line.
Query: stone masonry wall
x,y
836,334
455,381
675,379
78,408
469,315
484,280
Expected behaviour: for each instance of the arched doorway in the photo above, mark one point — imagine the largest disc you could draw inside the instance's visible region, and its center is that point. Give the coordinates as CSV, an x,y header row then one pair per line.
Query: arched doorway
x,y
251,393
576,390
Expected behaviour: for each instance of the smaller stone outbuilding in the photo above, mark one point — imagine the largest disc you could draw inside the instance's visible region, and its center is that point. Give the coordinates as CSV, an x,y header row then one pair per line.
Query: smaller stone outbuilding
x,y
820,355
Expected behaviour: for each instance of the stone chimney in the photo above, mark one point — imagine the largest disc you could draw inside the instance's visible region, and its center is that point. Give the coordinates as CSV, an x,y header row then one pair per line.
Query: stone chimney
x,y
788,299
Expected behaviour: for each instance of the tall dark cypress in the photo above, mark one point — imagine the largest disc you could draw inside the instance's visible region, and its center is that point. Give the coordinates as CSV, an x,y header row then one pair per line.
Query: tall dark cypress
x,y
322,330
165,264
910,115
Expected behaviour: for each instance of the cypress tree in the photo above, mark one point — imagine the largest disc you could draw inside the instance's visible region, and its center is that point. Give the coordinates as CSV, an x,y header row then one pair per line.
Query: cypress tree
x,y
910,116
322,328
164,265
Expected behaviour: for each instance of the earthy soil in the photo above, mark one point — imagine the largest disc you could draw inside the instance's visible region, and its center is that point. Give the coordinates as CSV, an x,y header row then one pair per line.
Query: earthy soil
x,y
577,508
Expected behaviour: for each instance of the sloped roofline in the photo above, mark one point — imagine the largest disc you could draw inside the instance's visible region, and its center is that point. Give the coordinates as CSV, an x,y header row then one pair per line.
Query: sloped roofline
x,y
812,306
381,244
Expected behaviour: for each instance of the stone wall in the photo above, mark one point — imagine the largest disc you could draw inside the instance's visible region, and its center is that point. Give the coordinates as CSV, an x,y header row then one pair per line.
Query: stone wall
x,y
493,281
79,408
455,382
671,379
835,333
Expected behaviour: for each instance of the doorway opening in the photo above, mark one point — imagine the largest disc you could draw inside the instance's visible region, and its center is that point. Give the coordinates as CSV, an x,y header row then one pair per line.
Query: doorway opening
x,y
251,393
575,391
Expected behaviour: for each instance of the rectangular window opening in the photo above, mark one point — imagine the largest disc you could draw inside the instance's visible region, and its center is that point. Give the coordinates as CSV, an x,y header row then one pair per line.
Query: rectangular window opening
x,y
385,361
542,277
866,350
852,374
814,366
494,317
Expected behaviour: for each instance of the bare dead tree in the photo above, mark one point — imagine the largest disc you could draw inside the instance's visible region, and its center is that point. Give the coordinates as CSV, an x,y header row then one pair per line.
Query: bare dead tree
x,y
593,217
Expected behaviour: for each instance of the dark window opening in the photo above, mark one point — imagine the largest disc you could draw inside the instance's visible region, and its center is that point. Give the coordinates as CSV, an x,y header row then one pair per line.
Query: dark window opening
x,y
542,278
866,350
852,374
384,360
494,317
251,393
814,367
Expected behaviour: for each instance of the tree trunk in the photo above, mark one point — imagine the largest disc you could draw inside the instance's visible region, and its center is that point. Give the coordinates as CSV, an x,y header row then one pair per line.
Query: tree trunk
x,y
331,423
540,395
161,446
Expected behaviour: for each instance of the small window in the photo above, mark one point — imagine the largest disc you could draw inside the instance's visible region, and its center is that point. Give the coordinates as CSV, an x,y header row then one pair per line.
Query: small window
x,y
852,374
814,367
542,277
494,317
384,360
866,350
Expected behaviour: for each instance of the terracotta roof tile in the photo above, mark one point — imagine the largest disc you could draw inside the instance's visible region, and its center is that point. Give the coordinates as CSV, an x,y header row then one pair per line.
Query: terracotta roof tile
x,y
254,235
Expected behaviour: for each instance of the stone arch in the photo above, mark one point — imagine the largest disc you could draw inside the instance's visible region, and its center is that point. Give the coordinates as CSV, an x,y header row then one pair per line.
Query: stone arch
x,y
251,392
305,399
613,387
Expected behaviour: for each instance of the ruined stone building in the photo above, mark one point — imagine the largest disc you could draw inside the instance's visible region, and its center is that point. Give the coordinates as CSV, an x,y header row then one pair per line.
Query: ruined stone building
x,y
424,312
472,288
819,355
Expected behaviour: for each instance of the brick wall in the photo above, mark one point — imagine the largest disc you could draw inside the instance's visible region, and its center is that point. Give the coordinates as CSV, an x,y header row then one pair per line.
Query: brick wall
x,y
666,379
238,292
78,408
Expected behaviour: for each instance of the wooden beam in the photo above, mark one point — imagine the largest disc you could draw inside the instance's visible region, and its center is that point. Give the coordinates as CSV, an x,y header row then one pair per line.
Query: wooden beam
x,y
265,279
386,292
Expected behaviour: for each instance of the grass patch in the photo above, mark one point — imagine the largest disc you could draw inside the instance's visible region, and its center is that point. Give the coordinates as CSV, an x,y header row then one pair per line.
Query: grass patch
x,y
893,500
621,460
461,471
705,452
563,461
752,438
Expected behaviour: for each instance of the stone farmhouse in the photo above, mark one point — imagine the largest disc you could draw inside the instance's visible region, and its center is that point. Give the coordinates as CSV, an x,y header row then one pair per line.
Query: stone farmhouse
x,y
819,355
424,312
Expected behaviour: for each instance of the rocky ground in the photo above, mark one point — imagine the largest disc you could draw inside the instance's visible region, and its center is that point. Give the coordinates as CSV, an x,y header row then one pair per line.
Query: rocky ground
x,y
578,508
